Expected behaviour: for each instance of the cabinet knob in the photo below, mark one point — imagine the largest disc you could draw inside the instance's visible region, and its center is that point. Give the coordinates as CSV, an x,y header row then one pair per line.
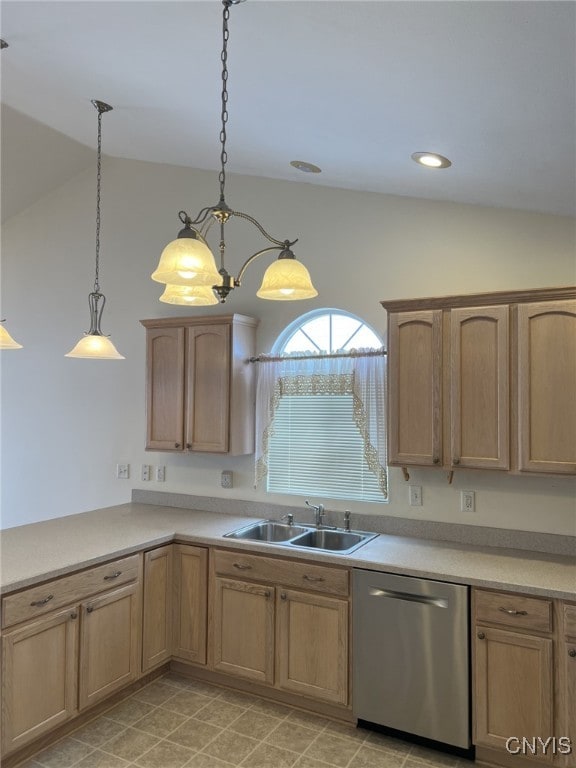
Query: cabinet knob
x,y
283,596
176,445
189,446
267,593
74,615
455,462
89,609
481,636
436,460
572,652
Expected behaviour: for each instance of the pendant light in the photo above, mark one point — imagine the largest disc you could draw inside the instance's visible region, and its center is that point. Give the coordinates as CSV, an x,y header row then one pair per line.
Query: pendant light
x,y
6,341
188,260
94,344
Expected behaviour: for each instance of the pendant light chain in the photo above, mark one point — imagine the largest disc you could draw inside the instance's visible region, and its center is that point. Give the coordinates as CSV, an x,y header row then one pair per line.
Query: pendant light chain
x,y
224,112
98,185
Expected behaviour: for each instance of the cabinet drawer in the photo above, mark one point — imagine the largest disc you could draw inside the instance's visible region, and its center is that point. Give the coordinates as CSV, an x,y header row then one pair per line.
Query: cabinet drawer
x,y
512,610
569,620
314,578
69,589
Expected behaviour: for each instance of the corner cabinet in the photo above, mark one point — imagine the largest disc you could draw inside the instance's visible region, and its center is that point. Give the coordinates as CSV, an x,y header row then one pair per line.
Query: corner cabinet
x,y
486,381
199,384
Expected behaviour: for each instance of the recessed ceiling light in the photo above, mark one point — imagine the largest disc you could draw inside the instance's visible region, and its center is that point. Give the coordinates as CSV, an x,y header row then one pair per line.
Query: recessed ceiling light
x,y
305,167
431,159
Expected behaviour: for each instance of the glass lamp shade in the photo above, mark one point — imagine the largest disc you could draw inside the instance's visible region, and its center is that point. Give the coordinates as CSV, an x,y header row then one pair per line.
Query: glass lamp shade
x,y
187,261
191,295
97,347
286,280
6,341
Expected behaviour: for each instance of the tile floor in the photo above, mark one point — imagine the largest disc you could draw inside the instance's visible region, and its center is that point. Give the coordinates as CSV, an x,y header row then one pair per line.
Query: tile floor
x,y
175,722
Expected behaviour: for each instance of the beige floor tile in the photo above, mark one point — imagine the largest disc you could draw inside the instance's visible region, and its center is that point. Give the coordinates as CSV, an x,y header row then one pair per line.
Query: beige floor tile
x,y
160,722
254,724
186,702
131,744
310,762
194,734
332,749
389,743
181,682
231,747
271,708
308,719
269,756
345,731
99,731
202,760
433,757
368,757
165,755
204,688
63,754
156,693
129,711
237,697
30,764
100,759
289,735
219,713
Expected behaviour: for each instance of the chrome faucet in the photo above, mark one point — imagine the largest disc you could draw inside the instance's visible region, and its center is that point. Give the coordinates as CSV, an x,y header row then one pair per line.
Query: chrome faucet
x,y
347,520
289,517
319,513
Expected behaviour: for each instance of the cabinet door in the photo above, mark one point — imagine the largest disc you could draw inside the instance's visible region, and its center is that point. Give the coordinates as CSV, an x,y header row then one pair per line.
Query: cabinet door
x,y
312,649
243,626
157,608
513,688
165,389
568,699
190,603
479,387
415,388
208,392
109,643
39,671
547,386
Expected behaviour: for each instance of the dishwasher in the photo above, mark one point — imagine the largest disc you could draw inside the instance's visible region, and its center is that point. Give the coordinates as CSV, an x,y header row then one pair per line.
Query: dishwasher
x,y
411,656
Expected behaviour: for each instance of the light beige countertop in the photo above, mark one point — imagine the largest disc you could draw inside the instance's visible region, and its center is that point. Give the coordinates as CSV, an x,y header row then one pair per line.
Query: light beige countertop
x,y
31,554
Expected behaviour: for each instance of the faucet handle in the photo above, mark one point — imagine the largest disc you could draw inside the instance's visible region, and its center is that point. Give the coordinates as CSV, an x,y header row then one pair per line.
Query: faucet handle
x,y
347,514
289,517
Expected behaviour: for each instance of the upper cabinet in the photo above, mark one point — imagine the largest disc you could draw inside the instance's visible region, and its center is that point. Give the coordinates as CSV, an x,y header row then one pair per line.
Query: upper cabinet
x,y
486,381
200,385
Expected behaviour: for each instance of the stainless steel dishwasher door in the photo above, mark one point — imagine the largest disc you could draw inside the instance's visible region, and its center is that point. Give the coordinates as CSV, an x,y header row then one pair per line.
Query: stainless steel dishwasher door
x,y
411,655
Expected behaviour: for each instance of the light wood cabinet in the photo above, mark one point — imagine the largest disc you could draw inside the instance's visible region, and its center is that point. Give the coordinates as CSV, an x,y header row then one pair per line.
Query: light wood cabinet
x,y
312,645
264,629
40,677
547,386
189,616
486,381
157,607
110,643
567,682
200,385
57,661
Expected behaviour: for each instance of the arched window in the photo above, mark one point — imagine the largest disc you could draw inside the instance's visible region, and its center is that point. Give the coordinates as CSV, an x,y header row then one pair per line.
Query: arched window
x,y
321,410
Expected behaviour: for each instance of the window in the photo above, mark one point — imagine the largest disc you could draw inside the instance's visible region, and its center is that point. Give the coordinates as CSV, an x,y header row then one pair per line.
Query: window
x,y
320,413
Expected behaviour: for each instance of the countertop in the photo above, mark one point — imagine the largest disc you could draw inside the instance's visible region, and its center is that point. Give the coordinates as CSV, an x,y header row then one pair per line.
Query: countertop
x,y
31,554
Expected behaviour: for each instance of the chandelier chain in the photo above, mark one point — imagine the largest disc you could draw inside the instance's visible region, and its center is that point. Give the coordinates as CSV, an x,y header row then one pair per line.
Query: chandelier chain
x,y
98,185
224,95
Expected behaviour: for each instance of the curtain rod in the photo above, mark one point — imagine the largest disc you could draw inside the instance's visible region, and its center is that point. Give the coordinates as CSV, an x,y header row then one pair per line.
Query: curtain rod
x,y
280,358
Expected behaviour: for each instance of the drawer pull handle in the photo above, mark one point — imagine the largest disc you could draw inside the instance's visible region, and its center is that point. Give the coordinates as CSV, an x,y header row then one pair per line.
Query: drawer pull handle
x,y
481,636
512,612
113,576
313,578
38,603
89,609
242,566
572,652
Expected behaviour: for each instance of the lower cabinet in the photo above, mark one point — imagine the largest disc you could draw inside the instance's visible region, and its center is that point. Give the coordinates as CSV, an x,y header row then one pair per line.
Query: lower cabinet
x,y
157,607
57,661
190,610
265,630
567,676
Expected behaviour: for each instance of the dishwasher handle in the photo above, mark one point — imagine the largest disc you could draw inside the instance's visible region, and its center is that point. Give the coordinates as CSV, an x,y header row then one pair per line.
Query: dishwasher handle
x,y
439,602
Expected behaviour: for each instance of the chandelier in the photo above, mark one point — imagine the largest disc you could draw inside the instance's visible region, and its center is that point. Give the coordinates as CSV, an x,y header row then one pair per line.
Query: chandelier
x,y
94,344
187,265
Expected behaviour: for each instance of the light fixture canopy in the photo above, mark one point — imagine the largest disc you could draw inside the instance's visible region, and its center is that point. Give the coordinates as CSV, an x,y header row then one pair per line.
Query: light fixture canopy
x,y
188,260
94,344
6,341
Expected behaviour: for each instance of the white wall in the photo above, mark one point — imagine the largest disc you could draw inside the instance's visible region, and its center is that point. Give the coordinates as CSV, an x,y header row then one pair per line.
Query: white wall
x,y
67,423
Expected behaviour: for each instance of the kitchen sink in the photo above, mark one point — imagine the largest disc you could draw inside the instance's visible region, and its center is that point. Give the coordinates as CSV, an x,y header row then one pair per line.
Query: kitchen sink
x,y
304,536
268,531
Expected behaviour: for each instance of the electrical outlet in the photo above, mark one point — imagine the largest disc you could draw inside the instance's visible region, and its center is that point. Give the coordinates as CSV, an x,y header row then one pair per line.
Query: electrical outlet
x,y
226,478
160,473
122,471
145,471
467,501
415,495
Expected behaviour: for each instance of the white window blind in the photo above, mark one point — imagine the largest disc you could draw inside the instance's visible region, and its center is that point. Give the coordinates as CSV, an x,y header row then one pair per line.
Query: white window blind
x,y
316,449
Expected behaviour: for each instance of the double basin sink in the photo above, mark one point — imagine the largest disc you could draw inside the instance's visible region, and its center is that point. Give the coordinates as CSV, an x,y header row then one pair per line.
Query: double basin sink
x,y
303,536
